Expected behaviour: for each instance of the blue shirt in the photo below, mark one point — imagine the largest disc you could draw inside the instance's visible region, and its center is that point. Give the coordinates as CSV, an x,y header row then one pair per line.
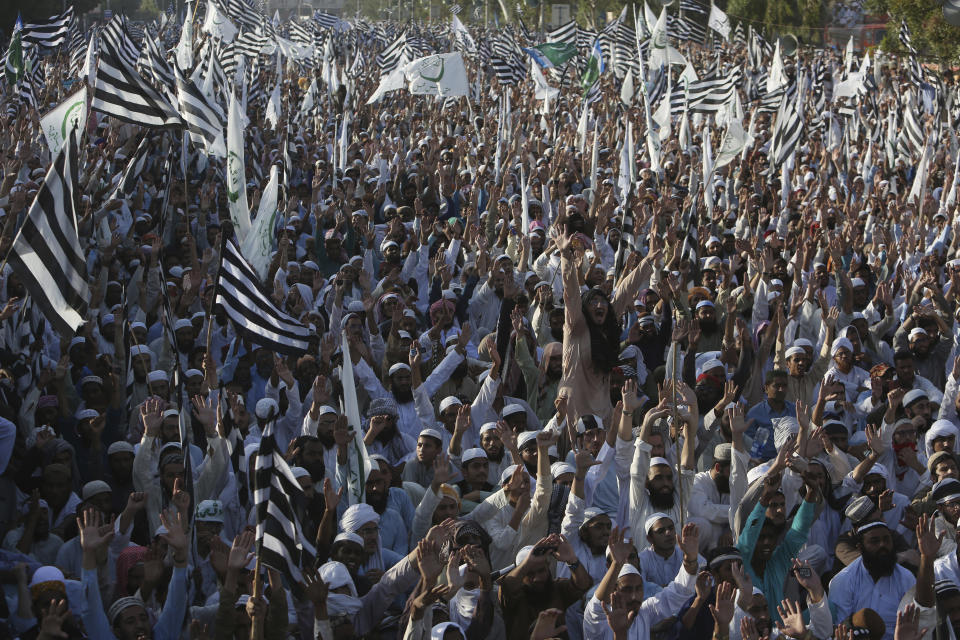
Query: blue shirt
x,y
761,431
168,624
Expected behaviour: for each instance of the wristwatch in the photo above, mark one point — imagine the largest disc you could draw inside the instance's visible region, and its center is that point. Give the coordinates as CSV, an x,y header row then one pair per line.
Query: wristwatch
x,y
573,565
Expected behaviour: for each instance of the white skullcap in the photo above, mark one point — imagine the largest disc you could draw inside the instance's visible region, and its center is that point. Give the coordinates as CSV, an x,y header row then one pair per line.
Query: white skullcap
x,y
628,570
652,520
841,343
913,395
917,331
526,438
431,433
488,426
523,553
450,401
475,453
183,323
507,474
400,366
657,460
512,409
795,351
265,407
557,469
803,342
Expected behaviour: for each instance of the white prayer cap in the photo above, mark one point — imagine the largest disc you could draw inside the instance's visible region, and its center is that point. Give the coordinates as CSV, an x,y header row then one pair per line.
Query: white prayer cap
x,y
266,407
557,469
158,375
841,343
431,433
913,395
795,351
512,409
507,474
917,331
657,460
450,401
523,553
526,438
652,520
182,323
488,426
476,453
628,570
400,366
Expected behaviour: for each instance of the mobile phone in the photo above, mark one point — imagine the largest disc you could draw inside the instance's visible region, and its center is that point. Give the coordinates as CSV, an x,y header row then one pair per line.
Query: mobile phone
x,y
803,572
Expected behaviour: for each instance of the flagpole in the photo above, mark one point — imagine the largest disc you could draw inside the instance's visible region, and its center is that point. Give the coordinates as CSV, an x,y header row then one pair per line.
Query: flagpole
x,y
256,622
213,298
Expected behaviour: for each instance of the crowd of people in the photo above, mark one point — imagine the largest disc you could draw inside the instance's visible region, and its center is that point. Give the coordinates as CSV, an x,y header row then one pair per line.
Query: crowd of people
x,y
665,402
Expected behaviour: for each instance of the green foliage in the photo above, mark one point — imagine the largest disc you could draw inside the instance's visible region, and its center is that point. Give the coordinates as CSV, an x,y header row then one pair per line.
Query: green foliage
x,y
930,33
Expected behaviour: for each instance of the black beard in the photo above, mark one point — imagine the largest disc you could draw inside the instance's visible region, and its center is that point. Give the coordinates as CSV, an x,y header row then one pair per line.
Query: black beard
x,y
880,564
551,376
723,484
662,501
403,396
317,470
708,327
387,434
326,439
557,334
378,503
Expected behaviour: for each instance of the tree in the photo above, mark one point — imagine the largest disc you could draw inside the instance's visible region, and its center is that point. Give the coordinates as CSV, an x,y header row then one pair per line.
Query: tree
x,y
930,33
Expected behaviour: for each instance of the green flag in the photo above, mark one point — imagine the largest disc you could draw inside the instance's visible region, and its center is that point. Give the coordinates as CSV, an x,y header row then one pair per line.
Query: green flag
x,y
552,54
595,66
14,59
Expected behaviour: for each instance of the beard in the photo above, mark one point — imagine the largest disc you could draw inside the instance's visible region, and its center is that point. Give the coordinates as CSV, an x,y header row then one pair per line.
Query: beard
x,y
326,439
317,471
403,396
723,484
662,500
387,434
708,327
557,334
378,501
880,563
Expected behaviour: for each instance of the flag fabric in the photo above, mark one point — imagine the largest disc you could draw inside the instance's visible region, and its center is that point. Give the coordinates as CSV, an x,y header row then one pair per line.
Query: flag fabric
x,y
595,67
455,9
135,167
116,37
119,91
254,315
70,115
51,32
13,61
281,541
786,134
719,22
565,34
919,187
462,34
552,54
46,253
218,25
258,246
439,75
236,180
204,118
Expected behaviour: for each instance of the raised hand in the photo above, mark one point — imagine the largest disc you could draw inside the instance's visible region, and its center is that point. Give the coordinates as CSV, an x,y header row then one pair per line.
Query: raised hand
x,y
690,541
927,539
722,612
792,625
331,497
93,533
619,616
546,626
151,416
631,398
908,624
175,537
240,555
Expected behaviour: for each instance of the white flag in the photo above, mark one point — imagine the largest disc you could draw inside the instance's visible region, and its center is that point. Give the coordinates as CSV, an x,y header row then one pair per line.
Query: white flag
x,y
660,50
662,117
919,187
689,74
68,115
777,78
734,141
293,51
236,177
257,247
460,31
627,92
439,75
184,51
719,22
274,106
218,25
543,90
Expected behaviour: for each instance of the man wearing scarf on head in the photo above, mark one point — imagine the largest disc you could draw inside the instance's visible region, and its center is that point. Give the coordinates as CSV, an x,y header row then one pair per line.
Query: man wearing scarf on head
x,y
542,380
362,520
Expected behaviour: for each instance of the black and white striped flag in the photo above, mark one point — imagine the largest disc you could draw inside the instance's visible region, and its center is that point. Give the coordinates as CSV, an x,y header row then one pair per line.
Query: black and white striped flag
x,y
135,166
121,92
456,9
46,253
281,541
205,119
117,37
786,134
566,33
254,315
51,32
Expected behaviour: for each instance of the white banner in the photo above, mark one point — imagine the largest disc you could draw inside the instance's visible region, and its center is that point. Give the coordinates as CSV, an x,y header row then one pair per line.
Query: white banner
x,y
719,22
258,245
68,115
218,25
236,175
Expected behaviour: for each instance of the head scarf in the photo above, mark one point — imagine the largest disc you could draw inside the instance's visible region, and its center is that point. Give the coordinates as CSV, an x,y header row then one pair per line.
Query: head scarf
x,y
355,517
128,558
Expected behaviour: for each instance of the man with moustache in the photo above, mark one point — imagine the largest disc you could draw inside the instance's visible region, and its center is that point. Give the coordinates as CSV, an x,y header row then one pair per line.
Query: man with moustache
x,y
876,581
710,499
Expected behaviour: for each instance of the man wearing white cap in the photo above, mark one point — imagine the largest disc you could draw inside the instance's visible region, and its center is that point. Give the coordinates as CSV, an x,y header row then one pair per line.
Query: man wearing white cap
x,y
922,333
623,584
512,517
403,389
419,466
843,370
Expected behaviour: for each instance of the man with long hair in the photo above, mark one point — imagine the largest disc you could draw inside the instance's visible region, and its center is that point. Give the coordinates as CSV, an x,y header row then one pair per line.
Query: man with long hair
x,y
592,329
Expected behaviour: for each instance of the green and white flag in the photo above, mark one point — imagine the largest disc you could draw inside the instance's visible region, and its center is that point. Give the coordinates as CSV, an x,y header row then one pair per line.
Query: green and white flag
x,y
218,25
13,63
68,115
552,54
257,247
595,66
236,177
